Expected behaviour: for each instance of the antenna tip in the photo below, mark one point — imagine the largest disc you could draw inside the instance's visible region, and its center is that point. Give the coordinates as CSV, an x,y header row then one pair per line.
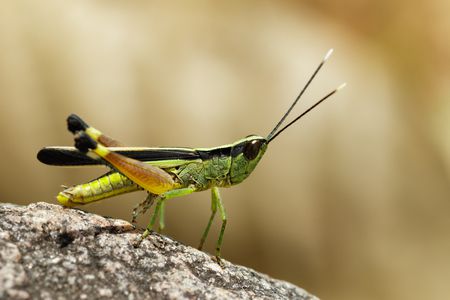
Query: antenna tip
x,y
327,56
341,86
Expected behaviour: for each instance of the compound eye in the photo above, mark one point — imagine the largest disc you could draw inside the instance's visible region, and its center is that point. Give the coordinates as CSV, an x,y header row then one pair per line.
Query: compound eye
x,y
251,149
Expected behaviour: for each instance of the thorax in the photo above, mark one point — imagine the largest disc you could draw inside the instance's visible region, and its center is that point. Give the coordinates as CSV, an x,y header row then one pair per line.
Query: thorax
x,y
214,171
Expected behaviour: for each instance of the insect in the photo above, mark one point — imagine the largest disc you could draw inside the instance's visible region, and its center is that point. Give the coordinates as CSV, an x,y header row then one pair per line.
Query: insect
x,y
164,173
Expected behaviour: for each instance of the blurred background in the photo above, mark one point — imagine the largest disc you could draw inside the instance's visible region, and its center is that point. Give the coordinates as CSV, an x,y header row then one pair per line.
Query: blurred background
x,y
350,203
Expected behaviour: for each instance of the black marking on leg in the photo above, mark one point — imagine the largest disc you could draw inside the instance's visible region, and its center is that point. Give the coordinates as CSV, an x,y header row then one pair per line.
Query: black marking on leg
x,y
84,142
75,123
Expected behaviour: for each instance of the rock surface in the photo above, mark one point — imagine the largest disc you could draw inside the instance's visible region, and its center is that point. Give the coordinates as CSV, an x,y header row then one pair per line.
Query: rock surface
x,y
49,252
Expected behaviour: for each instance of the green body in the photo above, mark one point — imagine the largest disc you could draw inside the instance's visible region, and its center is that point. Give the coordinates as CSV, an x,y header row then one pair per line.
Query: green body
x,y
215,170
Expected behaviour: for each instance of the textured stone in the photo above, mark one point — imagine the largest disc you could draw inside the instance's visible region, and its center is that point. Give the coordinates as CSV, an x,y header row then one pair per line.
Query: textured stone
x,y
49,252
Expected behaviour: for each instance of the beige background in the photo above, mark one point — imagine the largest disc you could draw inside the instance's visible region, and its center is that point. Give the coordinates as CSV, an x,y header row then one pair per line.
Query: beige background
x,y
351,203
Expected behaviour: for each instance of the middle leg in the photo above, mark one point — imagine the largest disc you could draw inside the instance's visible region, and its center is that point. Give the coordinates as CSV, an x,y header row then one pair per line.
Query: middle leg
x,y
211,218
160,204
223,216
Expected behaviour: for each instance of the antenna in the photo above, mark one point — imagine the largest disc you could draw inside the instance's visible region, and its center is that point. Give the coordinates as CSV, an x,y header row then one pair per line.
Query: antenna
x,y
307,111
271,134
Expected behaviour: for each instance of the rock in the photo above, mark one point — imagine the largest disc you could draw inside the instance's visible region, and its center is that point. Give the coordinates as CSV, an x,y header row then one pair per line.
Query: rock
x,y
51,252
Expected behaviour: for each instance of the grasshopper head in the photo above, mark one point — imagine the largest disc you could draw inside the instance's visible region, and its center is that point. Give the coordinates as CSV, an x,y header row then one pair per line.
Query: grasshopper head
x,y
245,155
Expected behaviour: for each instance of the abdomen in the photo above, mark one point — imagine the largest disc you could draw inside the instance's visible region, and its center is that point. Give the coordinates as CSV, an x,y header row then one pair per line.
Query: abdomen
x,y
108,185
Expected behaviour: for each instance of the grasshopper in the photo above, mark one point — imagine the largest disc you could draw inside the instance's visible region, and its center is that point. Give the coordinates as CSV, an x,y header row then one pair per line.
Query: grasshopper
x,y
164,173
